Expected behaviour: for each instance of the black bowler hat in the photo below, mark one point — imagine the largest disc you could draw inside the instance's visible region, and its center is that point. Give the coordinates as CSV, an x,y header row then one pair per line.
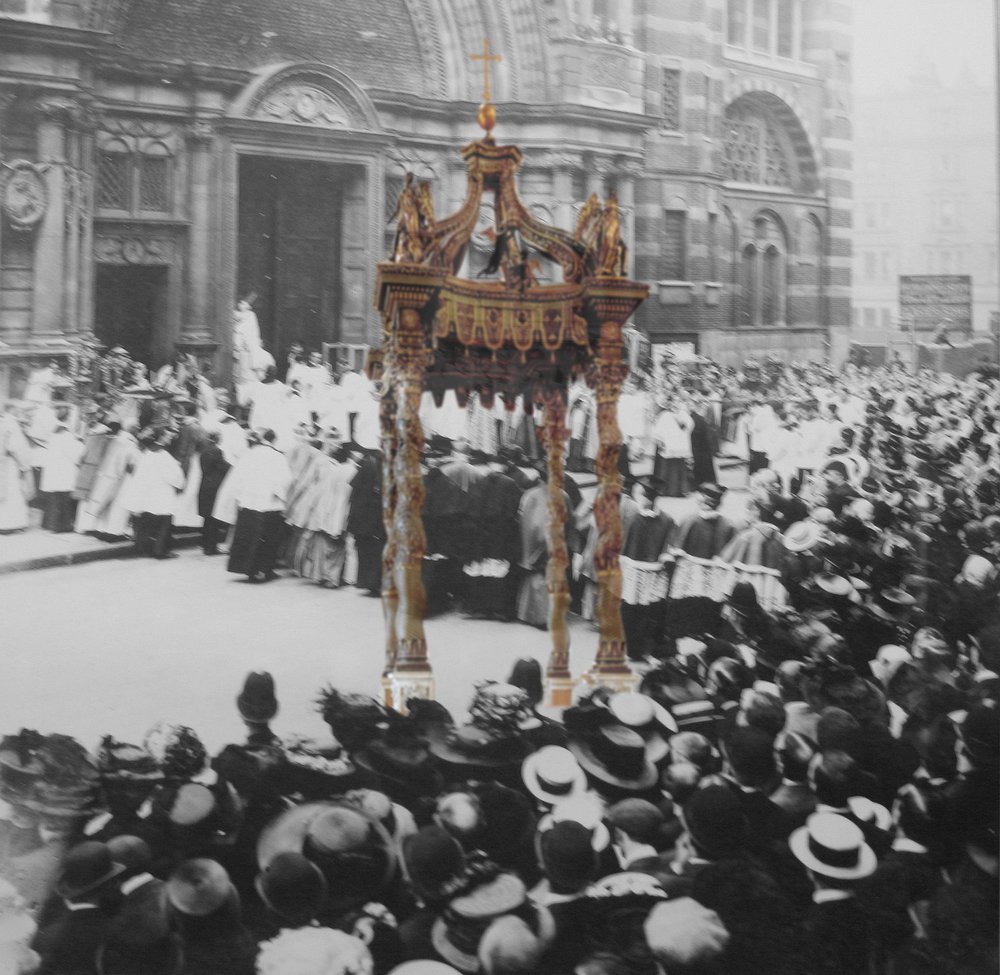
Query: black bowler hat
x,y
715,821
293,887
87,867
257,702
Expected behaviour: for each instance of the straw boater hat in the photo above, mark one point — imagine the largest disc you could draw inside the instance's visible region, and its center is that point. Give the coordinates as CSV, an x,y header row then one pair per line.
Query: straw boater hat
x,y
645,716
616,756
587,809
552,774
832,846
802,536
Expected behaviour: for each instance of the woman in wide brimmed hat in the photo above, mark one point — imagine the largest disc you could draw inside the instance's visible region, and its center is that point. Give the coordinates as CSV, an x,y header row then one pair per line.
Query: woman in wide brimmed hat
x,y
457,933
354,852
491,743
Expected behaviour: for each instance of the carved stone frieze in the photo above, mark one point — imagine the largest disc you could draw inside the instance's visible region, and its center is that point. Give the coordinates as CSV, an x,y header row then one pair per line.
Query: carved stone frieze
x,y
304,104
128,248
137,133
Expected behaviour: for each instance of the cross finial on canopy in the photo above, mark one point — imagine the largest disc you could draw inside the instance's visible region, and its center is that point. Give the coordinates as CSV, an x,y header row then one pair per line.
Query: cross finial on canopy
x,y
487,113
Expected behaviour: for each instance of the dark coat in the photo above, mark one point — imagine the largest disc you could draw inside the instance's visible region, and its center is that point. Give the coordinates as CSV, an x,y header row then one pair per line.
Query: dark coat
x,y
214,468
364,515
69,945
144,916
837,939
797,800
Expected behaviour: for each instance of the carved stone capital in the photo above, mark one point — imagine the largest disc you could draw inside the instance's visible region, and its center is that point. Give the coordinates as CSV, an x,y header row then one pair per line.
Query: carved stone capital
x,y
200,133
58,109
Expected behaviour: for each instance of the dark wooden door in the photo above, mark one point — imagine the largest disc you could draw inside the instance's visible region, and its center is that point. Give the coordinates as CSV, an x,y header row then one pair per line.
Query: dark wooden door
x,y
307,262
289,238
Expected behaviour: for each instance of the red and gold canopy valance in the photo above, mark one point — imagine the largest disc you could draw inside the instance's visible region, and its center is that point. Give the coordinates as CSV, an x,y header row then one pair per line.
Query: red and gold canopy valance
x,y
478,315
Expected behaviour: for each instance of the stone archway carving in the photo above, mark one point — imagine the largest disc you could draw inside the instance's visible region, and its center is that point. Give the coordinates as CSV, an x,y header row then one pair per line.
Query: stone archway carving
x,y
307,93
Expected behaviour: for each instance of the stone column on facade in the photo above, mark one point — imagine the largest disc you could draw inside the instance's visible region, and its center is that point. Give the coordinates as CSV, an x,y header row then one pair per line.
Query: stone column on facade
x,y
73,204
797,30
596,169
87,269
554,433
411,675
624,17
197,335
50,244
197,313
625,184
562,190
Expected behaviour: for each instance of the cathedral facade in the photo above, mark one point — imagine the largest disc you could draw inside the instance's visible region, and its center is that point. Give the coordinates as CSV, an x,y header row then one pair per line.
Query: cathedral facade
x,y
163,158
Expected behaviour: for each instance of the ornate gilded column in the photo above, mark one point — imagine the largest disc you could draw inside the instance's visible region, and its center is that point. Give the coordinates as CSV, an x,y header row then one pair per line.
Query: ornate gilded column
x,y
612,301
554,433
390,593
411,675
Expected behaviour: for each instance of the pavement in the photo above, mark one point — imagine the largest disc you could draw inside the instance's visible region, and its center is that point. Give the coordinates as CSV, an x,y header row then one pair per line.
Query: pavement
x,y
115,646
38,549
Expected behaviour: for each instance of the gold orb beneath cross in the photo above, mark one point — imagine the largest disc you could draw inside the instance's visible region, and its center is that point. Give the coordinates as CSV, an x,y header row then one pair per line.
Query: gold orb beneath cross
x,y
487,116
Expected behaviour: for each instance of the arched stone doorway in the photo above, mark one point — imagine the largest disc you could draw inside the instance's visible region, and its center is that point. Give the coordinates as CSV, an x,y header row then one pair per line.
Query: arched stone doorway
x,y
302,163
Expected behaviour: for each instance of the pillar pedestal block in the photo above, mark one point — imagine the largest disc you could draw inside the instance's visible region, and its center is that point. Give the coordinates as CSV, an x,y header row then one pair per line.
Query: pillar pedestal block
x,y
400,686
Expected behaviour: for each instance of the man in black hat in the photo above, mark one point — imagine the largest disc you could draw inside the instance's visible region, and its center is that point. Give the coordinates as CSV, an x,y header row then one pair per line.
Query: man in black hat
x,y
750,769
715,828
142,924
88,888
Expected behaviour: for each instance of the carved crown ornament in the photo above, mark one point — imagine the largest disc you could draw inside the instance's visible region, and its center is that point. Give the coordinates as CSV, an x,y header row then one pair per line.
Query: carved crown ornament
x,y
24,193
502,327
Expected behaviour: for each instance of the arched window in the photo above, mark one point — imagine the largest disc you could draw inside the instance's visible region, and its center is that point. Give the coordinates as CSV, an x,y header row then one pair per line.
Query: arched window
x,y
755,149
135,178
748,286
114,177
154,178
772,291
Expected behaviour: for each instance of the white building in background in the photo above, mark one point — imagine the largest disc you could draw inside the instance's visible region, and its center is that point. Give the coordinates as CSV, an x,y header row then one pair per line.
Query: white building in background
x,y
925,182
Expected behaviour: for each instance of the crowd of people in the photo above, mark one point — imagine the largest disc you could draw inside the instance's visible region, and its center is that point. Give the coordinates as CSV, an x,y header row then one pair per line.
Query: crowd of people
x,y
727,819
805,780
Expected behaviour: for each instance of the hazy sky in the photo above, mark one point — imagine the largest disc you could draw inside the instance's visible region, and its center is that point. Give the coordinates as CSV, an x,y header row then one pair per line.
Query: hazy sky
x,y
892,36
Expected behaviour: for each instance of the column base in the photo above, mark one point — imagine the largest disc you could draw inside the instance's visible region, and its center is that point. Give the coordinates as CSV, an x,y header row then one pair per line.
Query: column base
x,y
399,687
614,680
559,691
